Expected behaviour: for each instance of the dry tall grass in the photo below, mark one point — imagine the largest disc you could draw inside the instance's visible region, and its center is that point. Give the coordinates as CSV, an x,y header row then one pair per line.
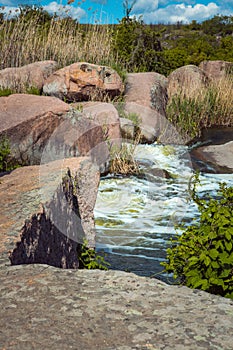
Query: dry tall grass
x,y
203,108
122,159
26,40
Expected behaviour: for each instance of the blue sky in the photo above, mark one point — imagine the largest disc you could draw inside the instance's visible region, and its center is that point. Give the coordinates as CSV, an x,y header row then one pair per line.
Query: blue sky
x,y
153,11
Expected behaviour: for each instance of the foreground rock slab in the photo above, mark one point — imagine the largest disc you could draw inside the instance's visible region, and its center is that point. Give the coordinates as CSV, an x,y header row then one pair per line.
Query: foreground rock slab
x,y
48,308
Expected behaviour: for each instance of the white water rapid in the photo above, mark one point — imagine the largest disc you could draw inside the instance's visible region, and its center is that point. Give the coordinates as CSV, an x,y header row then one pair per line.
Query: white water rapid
x,y
136,216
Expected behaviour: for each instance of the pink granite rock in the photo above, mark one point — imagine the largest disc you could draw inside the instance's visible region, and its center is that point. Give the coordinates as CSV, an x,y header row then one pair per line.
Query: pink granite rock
x,y
186,79
32,75
47,212
83,81
216,69
147,89
42,128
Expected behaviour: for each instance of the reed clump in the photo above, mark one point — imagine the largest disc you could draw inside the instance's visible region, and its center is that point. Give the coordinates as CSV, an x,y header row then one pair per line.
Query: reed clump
x,y
122,159
33,35
195,110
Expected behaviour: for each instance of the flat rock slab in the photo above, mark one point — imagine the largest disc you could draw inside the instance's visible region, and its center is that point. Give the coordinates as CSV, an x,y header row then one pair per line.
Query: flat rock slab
x,y
49,308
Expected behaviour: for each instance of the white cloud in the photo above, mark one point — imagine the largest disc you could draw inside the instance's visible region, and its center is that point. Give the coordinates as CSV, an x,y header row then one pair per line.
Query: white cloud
x,y
64,10
52,7
145,6
6,3
181,12
10,11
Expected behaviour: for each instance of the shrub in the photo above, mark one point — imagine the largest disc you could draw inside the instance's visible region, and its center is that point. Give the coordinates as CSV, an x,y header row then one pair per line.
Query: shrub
x,y
123,161
202,256
90,260
33,90
136,46
122,158
5,151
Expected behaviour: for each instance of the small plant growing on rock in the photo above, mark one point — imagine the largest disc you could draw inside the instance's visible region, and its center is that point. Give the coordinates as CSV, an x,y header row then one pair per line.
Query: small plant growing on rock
x,y
123,160
5,151
90,260
5,92
202,256
33,90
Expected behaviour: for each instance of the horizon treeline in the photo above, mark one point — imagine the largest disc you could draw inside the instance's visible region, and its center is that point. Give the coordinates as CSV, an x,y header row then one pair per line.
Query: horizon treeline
x,y
129,46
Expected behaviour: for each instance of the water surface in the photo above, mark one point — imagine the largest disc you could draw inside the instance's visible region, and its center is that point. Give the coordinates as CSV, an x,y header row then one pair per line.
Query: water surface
x,y
136,216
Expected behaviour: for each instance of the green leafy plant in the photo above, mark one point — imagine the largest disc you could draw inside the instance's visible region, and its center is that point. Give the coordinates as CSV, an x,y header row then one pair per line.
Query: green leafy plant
x,y
7,161
5,151
202,256
33,90
143,46
89,259
5,92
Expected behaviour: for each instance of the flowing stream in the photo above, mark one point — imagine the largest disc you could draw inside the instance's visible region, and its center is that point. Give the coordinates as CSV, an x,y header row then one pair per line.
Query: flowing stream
x,y
136,216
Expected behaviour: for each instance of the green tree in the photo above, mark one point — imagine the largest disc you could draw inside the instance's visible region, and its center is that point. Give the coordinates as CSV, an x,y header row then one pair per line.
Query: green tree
x,y
136,45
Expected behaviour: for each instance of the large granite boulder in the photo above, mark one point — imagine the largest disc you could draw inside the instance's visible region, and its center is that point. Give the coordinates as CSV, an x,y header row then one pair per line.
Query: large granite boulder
x,y
42,127
147,124
106,115
216,70
147,89
33,75
186,80
83,81
47,212
28,121
145,103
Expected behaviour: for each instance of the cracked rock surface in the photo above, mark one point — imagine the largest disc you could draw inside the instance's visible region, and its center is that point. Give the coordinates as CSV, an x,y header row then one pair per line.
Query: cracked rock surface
x,y
44,307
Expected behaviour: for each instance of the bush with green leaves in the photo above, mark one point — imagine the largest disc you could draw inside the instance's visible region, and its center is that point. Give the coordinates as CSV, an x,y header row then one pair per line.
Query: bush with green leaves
x,y
136,46
89,259
5,151
202,256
